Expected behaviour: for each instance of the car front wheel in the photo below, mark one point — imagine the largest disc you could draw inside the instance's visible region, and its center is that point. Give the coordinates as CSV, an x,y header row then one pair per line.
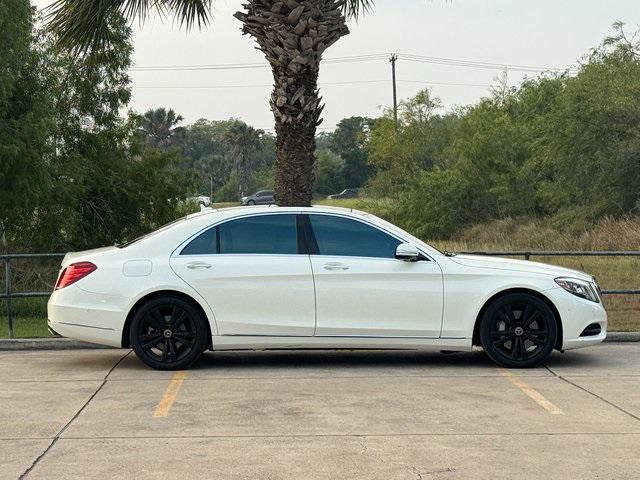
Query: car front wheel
x,y
168,333
518,330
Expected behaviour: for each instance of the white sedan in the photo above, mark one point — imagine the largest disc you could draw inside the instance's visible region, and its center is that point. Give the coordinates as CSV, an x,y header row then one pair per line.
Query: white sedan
x,y
318,277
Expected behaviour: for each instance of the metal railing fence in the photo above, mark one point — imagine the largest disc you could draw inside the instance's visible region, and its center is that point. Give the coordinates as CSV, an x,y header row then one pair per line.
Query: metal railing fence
x,y
9,294
569,253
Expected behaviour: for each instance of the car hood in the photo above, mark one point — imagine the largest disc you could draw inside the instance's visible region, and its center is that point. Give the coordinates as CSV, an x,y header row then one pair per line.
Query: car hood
x,y
525,266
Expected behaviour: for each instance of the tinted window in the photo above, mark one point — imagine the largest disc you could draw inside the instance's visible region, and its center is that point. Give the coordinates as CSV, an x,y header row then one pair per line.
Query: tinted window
x,y
345,237
266,234
203,244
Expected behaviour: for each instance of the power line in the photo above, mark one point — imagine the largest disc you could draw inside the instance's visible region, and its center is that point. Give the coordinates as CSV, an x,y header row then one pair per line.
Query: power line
x,y
354,82
241,66
451,84
478,64
455,62
325,84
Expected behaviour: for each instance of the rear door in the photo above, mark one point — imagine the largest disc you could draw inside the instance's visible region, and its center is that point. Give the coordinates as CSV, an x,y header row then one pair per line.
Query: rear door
x,y
251,273
363,290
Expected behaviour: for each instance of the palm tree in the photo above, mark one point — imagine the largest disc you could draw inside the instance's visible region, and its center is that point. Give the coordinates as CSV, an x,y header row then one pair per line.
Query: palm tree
x,y
159,126
292,34
242,140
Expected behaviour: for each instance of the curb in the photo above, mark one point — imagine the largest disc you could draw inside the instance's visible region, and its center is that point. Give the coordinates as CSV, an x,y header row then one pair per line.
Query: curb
x,y
620,337
53,343
59,343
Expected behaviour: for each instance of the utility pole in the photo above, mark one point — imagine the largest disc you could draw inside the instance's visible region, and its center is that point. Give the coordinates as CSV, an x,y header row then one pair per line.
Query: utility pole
x,y
393,59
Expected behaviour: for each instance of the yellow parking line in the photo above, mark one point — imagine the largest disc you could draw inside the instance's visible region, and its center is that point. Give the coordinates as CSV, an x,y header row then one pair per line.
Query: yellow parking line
x,y
170,394
531,393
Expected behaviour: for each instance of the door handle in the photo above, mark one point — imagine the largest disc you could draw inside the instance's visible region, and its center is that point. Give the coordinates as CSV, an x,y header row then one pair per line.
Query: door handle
x,y
335,266
198,266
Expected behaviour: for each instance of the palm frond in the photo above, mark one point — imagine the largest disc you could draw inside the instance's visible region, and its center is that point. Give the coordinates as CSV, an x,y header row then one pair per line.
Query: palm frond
x,y
83,24
190,12
355,8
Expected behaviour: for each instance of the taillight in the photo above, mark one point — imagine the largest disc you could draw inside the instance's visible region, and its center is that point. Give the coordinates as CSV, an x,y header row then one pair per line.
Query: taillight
x,y
73,273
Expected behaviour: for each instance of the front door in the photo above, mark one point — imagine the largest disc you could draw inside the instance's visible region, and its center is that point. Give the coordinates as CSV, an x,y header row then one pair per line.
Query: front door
x,y
249,271
363,290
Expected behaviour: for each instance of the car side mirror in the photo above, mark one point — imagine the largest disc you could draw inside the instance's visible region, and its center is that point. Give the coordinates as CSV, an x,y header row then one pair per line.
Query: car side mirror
x,y
408,252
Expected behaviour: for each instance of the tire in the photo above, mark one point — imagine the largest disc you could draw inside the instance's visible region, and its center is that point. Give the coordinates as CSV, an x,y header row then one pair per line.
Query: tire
x,y
168,333
251,202
518,330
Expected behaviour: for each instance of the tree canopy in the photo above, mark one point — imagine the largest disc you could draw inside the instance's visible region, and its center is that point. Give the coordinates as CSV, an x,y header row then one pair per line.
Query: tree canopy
x,y
565,146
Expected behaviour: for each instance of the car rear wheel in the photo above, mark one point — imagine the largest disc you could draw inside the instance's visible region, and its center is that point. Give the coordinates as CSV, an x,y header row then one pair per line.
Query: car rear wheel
x,y
518,330
168,333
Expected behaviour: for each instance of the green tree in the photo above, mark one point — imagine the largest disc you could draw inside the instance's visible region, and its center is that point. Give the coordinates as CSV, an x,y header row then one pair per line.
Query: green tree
x,y
330,177
97,182
567,146
26,120
159,127
292,35
590,148
242,141
400,152
349,142
209,150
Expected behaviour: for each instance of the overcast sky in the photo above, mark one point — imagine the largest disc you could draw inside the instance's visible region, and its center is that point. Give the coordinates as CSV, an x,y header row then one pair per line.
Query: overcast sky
x,y
542,33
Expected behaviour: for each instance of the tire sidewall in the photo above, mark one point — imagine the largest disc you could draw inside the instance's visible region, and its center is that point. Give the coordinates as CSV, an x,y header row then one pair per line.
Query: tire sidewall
x,y
200,341
486,325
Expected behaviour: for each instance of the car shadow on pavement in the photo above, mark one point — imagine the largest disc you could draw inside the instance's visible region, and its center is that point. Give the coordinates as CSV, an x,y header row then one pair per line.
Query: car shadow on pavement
x,y
302,359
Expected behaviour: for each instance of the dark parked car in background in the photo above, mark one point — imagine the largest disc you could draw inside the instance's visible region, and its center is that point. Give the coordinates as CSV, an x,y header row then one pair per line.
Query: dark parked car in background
x,y
346,193
263,197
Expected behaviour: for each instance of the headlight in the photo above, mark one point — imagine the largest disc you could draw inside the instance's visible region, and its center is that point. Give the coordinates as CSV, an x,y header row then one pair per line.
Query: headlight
x,y
579,288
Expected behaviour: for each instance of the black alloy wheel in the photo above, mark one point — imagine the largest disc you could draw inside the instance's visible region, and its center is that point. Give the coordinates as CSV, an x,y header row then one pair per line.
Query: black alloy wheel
x,y
251,202
518,330
168,333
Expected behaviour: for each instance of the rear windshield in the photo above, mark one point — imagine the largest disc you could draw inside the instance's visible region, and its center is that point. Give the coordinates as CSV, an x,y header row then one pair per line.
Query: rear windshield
x,y
150,234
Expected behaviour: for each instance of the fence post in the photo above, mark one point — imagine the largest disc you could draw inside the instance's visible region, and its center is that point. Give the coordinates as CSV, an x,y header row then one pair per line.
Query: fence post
x,y
527,255
7,287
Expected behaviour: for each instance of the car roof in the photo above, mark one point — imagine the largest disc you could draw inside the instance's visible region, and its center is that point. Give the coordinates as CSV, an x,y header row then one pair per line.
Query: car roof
x,y
242,210
177,232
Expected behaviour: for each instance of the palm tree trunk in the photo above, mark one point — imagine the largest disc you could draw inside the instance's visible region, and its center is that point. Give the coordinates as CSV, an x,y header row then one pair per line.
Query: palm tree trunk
x,y
293,34
242,170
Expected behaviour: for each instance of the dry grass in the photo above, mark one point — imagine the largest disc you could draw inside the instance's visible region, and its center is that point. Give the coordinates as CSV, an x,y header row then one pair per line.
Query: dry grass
x,y
518,234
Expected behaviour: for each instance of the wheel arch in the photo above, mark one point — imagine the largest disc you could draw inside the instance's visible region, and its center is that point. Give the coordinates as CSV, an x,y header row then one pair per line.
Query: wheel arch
x,y
126,341
533,293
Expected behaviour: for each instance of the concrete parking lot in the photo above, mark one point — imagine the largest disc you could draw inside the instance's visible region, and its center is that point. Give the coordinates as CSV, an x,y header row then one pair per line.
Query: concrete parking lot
x,y
308,415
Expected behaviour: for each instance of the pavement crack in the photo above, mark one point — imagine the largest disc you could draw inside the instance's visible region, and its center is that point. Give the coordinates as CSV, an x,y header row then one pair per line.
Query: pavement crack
x,y
117,363
608,402
76,415
600,398
419,474
61,431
